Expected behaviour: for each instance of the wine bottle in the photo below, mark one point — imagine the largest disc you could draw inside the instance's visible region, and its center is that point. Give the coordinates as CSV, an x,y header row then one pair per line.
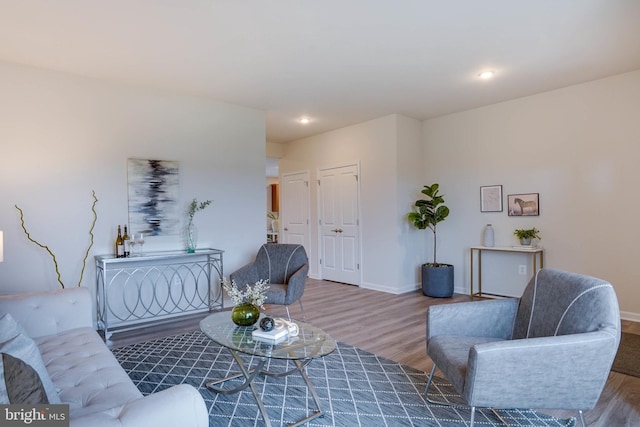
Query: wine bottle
x,y
119,245
125,242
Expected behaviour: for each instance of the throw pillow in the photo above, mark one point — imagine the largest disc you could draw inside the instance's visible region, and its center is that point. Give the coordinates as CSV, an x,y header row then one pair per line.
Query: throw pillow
x,y
15,342
22,381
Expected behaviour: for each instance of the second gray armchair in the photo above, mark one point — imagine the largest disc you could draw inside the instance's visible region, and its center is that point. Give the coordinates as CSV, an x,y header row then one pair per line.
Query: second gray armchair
x,y
284,266
550,349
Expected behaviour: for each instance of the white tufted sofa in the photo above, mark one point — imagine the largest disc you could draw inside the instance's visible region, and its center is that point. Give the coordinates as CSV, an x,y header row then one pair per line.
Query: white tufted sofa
x,y
85,373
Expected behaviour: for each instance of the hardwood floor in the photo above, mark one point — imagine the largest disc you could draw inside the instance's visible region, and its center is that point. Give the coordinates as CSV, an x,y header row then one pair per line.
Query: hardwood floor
x,y
393,326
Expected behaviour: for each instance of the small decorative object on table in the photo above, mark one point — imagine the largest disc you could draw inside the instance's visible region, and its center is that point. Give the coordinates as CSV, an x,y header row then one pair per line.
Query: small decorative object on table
x,y
266,324
191,232
526,234
245,314
274,331
248,302
489,240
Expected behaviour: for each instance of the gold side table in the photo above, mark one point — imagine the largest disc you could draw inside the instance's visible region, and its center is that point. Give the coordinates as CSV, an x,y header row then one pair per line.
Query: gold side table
x,y
536,252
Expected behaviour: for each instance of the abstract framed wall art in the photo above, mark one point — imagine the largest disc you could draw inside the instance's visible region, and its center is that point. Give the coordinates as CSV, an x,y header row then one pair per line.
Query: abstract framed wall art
x,y
491,198
527,204
153,187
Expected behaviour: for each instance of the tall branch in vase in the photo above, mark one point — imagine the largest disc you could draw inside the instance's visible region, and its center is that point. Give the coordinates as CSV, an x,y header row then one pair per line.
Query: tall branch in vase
x,y
53,256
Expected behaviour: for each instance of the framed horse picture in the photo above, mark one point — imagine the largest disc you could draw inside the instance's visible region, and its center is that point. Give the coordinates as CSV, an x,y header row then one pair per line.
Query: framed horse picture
x,y
524,204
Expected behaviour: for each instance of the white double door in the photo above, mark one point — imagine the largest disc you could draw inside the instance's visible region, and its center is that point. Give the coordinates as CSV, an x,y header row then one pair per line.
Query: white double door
x,y
339,224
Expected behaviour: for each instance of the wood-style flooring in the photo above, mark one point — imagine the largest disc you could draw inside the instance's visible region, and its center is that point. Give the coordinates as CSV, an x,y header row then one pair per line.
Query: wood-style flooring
x,y
394,326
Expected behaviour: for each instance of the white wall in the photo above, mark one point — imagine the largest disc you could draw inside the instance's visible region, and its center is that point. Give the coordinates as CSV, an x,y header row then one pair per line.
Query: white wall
x,y
579,148
411,243
62,136
374,144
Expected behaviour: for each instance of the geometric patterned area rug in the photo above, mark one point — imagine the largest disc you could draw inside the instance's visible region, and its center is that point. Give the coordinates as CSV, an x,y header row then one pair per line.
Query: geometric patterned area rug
x,y
356,388
626,361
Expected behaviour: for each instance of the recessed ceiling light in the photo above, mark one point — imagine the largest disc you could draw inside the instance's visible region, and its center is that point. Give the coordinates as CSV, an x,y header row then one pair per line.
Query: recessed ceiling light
x,y
486,74
304,120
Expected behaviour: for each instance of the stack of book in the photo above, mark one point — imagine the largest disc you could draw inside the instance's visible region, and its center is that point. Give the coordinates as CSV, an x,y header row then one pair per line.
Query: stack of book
x,y
273,336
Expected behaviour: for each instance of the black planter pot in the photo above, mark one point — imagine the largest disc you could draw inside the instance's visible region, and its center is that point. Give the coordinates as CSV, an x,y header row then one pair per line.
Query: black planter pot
x,y
437,282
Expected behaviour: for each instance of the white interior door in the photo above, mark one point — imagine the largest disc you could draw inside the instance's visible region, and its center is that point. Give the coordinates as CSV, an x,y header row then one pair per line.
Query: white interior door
x,y
339,224
294,220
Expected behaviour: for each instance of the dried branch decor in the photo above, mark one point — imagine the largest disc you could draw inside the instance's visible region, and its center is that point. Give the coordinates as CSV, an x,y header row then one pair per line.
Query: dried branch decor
x,y
53,256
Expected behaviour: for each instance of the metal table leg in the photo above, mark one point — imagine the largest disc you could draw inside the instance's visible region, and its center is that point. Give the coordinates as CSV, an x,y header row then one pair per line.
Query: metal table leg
x,y
251,374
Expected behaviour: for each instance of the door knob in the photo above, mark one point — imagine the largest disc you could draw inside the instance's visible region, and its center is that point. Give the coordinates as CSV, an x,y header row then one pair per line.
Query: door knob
x,y
336,230
286,229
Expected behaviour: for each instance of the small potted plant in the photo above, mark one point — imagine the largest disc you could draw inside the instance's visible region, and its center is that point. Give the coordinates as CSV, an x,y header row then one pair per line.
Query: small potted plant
x,y
437,278
526,234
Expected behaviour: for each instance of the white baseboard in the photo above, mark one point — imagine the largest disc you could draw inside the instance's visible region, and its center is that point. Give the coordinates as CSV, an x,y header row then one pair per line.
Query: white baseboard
x,y
626,315
390,290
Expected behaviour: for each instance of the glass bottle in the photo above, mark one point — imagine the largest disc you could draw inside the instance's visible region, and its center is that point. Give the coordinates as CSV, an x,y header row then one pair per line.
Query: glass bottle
x,y
125,242
119,244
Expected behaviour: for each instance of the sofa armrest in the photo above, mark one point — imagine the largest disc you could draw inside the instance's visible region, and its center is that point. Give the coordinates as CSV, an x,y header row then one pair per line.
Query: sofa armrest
x,y
490,319
50,312
180,405
534,372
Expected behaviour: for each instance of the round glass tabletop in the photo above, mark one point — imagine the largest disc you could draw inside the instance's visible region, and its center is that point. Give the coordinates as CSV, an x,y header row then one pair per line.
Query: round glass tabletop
x,y
311,342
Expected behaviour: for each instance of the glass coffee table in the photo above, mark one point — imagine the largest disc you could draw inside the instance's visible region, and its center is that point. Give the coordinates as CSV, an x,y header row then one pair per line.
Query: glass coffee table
x,y
310,343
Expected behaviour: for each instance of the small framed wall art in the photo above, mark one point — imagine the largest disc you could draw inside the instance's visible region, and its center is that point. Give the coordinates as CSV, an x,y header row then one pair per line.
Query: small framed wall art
x,y
491,198
524,204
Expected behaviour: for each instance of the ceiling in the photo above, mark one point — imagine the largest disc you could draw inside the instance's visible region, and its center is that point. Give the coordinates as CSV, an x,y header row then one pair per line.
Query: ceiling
x,y
339,62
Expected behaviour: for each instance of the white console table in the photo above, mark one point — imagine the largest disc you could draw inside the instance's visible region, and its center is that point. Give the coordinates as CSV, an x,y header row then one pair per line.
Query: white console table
x,y
534,251
156,287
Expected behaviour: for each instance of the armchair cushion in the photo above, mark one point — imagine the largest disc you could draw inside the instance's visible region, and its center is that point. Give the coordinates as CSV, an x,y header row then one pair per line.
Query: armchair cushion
x,y
451,355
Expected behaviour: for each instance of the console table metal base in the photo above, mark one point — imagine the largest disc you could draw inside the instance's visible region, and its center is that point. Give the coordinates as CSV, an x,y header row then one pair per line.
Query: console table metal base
x,y
250,374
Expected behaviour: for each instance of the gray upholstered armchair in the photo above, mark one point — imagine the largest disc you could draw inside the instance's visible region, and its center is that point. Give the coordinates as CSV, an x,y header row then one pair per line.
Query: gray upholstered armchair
x,y
284,266
550,349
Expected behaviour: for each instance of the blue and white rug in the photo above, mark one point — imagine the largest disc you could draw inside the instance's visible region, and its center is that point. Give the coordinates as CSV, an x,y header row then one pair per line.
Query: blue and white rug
x,y
356,388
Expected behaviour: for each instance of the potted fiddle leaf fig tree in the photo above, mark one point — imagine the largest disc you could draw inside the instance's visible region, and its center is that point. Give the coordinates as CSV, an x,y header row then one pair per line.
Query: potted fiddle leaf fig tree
x,y
437,278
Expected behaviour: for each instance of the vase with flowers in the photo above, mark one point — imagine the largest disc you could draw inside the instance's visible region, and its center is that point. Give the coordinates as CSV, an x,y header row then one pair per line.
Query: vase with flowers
x,y
247,301
275,224
191,232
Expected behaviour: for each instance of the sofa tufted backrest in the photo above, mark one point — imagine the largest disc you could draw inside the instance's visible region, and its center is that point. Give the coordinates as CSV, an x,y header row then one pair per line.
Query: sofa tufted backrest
x,y
278,261
50,312
557,302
